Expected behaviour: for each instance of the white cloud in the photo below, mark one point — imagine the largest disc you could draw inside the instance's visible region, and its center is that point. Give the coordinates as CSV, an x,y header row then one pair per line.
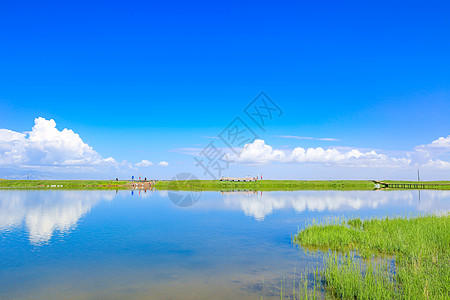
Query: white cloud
x,y
144,163
163,163
429,153
437,164
45,145
49,152
424,156
259,152
352,157
7,135
442,144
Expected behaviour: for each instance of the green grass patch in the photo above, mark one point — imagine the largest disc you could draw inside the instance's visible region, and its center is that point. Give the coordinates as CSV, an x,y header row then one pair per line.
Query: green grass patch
x,y
266,185
64,184
206,185
419,247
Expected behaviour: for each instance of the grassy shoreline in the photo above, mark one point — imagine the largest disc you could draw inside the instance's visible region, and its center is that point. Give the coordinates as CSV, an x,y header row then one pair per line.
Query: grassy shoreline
x,y
359,265
205,185
281,185
266,185
65,184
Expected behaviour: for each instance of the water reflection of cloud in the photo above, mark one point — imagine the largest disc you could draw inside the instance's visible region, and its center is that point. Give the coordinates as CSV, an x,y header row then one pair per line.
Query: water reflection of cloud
x,y
163,194
434,201
43,213
145,194
259,206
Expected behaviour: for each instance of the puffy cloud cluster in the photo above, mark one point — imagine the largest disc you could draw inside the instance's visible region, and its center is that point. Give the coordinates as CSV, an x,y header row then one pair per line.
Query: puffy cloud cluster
x,y
163,163
45,145
144,163
352,157
259,152
48,151
428,154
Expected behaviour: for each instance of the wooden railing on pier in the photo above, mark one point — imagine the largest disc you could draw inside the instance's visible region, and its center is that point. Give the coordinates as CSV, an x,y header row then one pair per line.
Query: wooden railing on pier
x,y
410,185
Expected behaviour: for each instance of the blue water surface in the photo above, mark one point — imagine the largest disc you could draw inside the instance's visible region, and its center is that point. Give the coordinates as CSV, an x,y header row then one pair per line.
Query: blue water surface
x,y
63,244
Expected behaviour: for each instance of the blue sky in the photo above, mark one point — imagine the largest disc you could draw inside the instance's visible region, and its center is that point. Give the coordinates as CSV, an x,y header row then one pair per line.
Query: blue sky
x,y
146,81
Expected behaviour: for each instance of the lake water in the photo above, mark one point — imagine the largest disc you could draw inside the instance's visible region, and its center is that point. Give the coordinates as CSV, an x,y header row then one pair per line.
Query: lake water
x,y
140,245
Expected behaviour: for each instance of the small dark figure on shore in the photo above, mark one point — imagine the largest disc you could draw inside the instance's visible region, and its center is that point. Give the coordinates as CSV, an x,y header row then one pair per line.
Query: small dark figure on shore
x,y
117,179
145,179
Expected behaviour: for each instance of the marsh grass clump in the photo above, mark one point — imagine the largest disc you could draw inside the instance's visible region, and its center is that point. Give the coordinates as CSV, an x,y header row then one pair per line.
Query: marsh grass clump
x,y
359,265
331,233
301,288
355,223
348,277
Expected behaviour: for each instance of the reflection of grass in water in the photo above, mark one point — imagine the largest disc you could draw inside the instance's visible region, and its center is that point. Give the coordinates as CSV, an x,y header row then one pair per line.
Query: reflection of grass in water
x,y
307,289
299,286
419,245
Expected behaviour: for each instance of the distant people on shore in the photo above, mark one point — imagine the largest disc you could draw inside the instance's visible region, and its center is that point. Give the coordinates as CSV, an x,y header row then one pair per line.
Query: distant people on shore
x,y
145,179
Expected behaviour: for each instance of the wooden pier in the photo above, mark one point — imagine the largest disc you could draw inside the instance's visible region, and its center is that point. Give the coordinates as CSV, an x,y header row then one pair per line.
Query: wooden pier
x,y
410,185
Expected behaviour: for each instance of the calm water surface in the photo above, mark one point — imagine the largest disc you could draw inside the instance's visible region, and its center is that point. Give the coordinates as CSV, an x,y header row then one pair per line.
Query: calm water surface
x,y
137,245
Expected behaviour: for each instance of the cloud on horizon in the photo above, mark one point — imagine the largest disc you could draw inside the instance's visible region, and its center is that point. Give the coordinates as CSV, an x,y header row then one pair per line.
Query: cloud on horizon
x,y
45,145
45,150
258,152
49,152
144,163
